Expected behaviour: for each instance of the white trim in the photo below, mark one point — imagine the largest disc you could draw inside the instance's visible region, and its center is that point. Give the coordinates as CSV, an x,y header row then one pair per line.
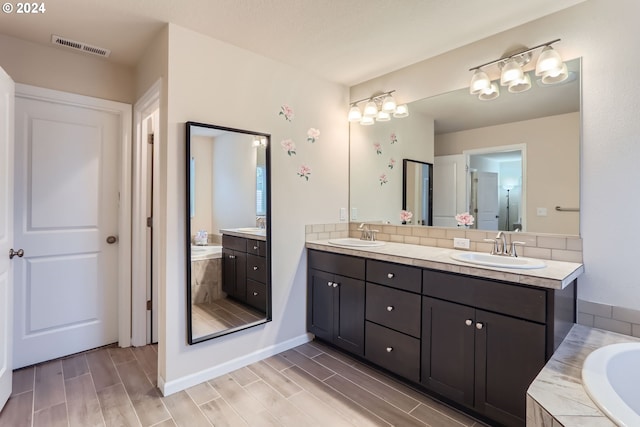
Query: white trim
x,y
187,381
147,103
123,111
499,149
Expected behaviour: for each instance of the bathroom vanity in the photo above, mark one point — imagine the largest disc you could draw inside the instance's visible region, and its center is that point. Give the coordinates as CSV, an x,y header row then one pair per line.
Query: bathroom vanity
x,y
473,337
244,270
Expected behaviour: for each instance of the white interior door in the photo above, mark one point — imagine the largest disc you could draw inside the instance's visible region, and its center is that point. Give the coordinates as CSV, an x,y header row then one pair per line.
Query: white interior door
x,y
449,189
66,208
488,204
6,234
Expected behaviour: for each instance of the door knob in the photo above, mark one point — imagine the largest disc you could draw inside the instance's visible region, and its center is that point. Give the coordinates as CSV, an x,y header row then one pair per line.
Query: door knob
x,y
19,253
112,239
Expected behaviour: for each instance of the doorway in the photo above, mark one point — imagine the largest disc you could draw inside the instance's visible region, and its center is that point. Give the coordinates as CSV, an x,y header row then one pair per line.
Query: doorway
x,y
145,208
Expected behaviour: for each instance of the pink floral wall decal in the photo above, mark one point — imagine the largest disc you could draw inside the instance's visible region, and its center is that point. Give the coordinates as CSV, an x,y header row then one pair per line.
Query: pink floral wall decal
x,y
378,148
287,112
405,216
304,171
393,138
383,179
392,163
289,146
313,134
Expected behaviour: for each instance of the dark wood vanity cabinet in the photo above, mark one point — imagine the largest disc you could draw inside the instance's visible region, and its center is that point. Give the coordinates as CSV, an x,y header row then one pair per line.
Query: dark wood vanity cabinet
x,y
474,342
244,270
336,298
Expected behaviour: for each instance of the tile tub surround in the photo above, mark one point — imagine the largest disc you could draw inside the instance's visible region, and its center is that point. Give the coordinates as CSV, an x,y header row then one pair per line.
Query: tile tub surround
x,y
556,275
556,397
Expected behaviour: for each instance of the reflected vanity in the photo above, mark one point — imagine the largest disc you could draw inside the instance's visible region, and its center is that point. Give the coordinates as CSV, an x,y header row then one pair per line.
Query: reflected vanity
x,y
228,230
464,138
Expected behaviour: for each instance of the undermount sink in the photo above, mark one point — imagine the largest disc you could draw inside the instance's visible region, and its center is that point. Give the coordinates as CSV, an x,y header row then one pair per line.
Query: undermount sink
x,y
350,241
499,261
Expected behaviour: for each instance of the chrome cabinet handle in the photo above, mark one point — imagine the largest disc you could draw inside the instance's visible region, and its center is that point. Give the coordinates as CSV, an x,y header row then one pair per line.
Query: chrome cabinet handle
x,y
468,322
255,267
389,308
255,248
389,349
19,253
255,294
329,284
390,275
479,325
335,285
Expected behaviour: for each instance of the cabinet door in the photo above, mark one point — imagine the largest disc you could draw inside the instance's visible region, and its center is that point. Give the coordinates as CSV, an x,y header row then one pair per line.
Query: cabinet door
x,y
348,315
448,349
320,304
509,354
234,273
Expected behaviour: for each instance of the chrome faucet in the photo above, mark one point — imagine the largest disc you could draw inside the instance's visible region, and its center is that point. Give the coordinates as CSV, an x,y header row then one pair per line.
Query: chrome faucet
x,y
367,234
500,246
261,222
504,250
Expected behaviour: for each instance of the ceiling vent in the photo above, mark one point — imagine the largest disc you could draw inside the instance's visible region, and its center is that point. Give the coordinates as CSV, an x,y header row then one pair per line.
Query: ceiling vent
x,y
79,46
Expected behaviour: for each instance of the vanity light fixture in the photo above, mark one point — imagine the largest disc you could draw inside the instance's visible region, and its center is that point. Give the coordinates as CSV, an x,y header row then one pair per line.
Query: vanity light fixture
x,y
549,68
378,108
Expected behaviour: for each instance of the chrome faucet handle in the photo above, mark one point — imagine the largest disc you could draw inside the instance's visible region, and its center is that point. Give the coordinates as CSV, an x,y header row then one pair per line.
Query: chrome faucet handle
x,y
372,234
494,248
514,244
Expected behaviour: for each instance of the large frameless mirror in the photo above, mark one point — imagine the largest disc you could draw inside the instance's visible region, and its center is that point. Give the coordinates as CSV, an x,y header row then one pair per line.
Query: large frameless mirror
x,y
513,162
228,230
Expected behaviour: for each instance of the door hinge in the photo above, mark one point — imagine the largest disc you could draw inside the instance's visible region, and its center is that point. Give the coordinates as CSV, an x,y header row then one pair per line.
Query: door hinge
x,y
149,221
150,138
149,305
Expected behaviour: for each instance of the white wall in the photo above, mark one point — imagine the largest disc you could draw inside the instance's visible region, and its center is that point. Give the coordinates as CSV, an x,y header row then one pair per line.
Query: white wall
x,y
604,34
212,82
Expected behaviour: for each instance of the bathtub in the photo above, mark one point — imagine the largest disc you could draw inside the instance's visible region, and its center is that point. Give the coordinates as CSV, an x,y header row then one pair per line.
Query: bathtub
x,y
199,253
611,376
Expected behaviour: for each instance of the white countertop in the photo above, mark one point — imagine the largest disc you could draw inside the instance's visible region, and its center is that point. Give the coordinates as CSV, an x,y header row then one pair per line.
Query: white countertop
x,y
258,234
556,274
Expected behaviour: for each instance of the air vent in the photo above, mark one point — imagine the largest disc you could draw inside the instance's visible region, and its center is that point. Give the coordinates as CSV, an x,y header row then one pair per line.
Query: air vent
x,y
79,46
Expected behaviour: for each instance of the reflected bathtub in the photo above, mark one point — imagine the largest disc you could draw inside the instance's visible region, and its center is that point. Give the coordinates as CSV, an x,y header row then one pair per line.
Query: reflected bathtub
x,y
611,376
199,253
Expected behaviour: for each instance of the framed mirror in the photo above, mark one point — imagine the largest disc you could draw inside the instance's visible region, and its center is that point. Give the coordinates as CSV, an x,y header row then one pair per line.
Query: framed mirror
x,y
417,191
228,230
527,144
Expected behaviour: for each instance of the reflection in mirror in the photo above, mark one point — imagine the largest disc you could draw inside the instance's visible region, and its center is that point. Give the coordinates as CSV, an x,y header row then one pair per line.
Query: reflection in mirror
x,y
542,124
417,191
228,233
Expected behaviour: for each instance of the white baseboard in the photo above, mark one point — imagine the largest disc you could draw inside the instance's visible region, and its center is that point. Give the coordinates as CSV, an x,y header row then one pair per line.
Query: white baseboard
x,y
187,381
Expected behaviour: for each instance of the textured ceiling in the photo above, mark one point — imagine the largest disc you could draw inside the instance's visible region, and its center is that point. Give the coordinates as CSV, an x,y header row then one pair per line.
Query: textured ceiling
x,y
345,41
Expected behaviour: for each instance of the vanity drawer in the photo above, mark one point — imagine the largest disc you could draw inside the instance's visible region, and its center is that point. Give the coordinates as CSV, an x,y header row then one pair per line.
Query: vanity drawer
x,y
256,268
257,295
506,298
257,247
393,308
392,350
235,243
394,275
344,265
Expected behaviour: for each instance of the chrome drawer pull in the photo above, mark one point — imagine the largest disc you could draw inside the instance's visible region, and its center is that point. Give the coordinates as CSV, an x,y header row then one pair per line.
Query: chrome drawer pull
x,y
389,349
468,322
479,325
329,284
255,267
390,275
255,294
389,308
335,285
232,257
255,248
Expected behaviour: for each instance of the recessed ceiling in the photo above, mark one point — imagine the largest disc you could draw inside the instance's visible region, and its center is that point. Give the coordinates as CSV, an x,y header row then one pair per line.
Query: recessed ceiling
x,y
345,41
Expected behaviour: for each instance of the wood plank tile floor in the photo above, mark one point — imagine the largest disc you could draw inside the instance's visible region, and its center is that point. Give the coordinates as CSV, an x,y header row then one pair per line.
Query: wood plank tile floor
x,y
310,385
